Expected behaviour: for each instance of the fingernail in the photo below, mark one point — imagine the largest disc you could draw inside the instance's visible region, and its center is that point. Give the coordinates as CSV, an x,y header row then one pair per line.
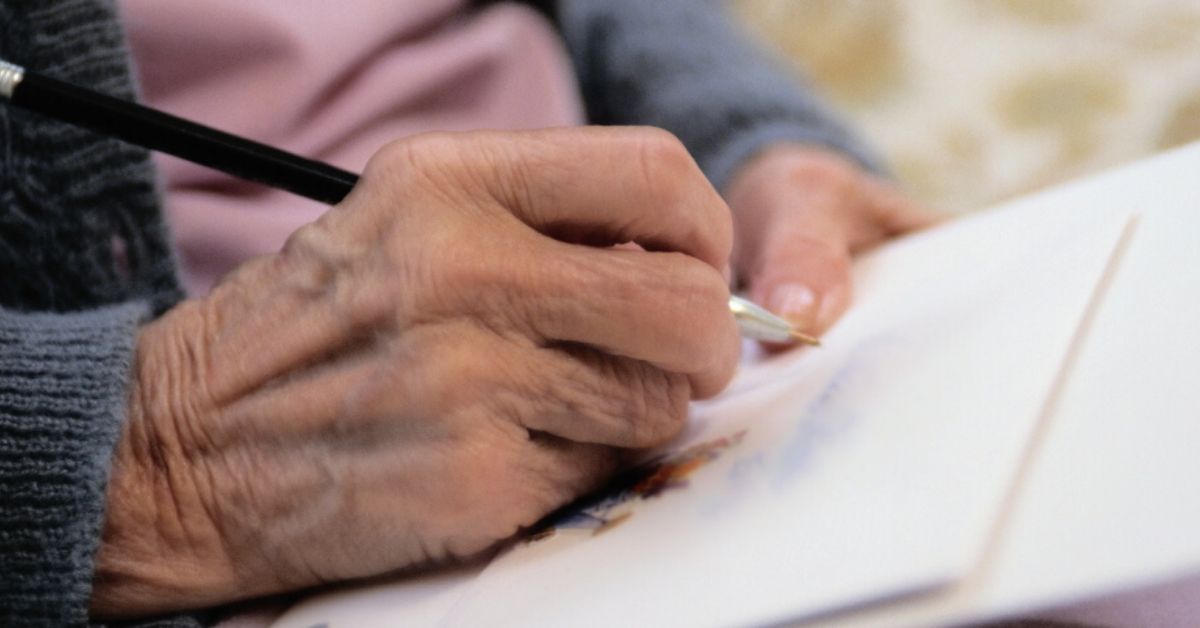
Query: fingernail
x,y
795,302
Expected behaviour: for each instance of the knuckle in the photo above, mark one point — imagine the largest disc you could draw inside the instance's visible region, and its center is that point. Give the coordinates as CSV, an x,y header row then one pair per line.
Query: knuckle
x,y
664,401
664,164
428,161
572,383
404,155
392,161
673,180
325,273
310,258
633,403
660,147
654,405
312,239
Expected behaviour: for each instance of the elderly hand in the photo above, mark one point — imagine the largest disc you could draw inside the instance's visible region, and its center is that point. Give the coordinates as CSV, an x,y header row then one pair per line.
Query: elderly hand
x,y
445,357
801,214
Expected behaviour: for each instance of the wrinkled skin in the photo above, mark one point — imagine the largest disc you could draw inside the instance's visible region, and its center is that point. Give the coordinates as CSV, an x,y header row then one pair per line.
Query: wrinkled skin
x,y
441,359
455,351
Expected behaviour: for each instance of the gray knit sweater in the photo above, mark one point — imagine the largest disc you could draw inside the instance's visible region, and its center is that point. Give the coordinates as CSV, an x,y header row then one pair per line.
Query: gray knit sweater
x,y
85,257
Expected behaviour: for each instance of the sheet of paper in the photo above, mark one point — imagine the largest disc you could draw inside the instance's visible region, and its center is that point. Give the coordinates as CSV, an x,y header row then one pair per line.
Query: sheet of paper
x,y
1110,502
865,470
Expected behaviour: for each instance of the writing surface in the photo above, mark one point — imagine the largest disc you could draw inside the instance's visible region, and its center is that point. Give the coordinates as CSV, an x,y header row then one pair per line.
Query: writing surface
x,y
868,469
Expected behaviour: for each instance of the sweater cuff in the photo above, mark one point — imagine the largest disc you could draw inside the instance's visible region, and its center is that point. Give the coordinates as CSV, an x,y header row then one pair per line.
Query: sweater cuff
x,y
63,380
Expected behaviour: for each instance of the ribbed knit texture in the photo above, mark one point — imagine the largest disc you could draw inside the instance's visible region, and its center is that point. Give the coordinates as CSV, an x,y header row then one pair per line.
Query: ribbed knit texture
x,y
80,235
686,66
62,395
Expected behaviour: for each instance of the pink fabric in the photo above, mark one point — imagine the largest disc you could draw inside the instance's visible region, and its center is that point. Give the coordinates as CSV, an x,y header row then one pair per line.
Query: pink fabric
x,y
333,81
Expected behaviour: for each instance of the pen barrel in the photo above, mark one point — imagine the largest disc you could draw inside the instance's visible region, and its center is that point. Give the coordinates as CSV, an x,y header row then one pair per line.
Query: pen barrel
x,y
758,329
169,134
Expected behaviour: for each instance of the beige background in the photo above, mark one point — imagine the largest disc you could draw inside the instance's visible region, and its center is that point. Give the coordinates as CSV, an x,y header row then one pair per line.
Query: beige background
x,y
975,101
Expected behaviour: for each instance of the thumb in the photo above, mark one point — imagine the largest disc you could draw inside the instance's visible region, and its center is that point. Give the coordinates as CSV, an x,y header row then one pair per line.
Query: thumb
x,y
806,280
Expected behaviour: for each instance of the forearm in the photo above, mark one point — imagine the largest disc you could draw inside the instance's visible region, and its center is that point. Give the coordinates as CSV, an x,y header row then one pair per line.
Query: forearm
x,y
685,66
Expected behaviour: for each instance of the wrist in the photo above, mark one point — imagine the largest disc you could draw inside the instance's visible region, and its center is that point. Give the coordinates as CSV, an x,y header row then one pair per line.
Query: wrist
x,y
160,550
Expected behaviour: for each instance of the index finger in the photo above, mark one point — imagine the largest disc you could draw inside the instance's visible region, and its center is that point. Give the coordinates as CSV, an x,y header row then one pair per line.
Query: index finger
x,y
603,185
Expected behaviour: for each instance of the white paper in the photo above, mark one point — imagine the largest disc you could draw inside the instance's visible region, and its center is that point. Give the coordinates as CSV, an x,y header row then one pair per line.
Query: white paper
x,y
868,469
1111,502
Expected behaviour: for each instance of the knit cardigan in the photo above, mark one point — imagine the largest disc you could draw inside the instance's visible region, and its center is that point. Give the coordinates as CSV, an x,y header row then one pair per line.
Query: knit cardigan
x,y
85,256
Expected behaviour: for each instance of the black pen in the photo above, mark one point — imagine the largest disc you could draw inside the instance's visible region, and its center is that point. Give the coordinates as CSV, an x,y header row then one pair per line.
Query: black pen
x,y
250,160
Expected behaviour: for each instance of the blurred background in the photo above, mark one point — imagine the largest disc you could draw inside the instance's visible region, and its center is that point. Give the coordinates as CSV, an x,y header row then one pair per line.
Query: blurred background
x,y
973,102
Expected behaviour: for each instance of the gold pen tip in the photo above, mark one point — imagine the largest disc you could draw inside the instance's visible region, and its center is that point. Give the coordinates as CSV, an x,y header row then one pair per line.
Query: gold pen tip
x,y
804,338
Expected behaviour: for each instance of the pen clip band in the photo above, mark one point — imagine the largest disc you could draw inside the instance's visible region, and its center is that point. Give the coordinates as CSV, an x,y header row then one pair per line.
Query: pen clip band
x,y
10,77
